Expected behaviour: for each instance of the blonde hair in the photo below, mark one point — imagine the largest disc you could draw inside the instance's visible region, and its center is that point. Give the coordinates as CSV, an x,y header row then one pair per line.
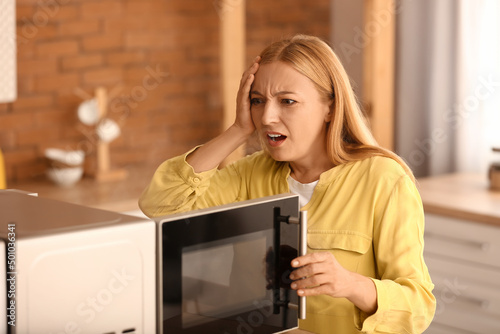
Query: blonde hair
x,y
349,138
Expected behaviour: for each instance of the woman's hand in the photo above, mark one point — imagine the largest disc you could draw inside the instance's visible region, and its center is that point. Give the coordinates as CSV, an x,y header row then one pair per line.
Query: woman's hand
x,y
216,150
243,115
321,274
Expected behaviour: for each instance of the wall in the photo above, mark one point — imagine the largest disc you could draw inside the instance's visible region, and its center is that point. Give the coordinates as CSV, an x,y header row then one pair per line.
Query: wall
x,y
159,58
269,21
347,27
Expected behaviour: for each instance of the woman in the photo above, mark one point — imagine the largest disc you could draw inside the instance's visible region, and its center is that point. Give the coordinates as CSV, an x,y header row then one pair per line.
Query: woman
x,y
364,269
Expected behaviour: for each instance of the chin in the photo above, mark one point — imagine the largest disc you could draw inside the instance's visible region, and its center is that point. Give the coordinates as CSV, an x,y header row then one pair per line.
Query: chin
x,y
278,156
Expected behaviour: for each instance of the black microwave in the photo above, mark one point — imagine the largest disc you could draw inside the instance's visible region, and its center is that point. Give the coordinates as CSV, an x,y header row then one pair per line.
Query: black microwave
x,y
226,269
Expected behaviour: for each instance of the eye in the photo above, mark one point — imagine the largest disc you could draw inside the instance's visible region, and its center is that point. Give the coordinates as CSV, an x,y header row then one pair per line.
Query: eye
x,y
255,101
288,101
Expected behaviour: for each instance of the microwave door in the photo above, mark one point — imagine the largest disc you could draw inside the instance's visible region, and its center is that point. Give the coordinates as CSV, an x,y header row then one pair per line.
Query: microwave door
x,y
218,272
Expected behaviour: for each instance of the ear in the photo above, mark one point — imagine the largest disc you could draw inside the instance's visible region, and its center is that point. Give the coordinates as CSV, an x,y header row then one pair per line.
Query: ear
x,y
329,114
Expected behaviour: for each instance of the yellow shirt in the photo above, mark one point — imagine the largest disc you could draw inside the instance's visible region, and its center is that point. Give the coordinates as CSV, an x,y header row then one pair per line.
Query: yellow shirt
x,y
367,213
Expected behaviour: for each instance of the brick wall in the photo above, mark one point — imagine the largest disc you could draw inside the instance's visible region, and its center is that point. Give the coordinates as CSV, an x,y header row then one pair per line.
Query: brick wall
x,y
270,20
67,48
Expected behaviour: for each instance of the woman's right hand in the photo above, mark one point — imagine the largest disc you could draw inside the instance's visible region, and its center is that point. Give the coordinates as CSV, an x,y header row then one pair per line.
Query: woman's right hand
x,y
214,152
243,114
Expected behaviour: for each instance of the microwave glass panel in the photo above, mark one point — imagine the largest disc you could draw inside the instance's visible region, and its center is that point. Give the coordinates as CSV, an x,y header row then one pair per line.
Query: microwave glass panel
x,y
224,278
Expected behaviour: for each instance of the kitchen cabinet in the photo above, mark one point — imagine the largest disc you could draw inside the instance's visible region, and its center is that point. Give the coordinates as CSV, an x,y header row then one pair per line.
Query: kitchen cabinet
x,y
462,248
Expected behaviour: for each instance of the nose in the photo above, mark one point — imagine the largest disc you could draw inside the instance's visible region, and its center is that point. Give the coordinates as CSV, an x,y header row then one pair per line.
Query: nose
x,y
270,114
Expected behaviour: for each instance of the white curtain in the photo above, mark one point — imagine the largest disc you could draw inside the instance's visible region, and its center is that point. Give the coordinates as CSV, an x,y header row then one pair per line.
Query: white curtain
x,y
448,84
478,84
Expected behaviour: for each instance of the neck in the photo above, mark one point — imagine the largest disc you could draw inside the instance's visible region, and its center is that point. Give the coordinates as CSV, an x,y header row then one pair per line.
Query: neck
x,y
310,172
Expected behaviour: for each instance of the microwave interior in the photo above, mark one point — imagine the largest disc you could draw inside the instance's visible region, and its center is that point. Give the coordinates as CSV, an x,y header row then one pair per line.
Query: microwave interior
x,y
225,269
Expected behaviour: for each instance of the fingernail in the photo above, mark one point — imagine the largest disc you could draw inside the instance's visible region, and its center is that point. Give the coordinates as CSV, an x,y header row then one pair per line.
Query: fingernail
x,y
294,285
295,263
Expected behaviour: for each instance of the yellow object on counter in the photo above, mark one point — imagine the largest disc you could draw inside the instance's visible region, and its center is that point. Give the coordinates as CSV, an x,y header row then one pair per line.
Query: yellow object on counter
x,y
3,183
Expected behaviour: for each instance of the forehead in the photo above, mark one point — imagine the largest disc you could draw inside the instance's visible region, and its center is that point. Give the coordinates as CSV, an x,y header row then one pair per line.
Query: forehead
x,y
279,76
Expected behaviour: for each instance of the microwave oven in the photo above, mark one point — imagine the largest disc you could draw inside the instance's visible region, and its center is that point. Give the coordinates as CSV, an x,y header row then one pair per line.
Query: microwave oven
x,y
74,269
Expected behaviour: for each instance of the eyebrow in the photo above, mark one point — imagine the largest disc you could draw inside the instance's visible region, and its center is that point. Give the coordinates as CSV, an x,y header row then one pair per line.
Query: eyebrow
x,y
283,92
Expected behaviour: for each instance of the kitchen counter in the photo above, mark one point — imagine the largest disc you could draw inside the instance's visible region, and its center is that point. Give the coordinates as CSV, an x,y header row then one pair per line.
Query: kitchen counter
x,y
462,195
118,196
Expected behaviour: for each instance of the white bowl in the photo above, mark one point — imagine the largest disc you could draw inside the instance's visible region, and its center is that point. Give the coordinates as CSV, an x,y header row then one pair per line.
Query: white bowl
x,y
88,112
108,130
65,177
71,158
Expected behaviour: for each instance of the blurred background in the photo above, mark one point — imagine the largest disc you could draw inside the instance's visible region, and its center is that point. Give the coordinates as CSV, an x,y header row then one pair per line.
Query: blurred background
x,y
160,58
166,66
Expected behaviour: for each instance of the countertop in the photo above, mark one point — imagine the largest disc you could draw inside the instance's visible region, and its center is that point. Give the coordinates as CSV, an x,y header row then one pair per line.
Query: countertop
x,y
462,195
117,196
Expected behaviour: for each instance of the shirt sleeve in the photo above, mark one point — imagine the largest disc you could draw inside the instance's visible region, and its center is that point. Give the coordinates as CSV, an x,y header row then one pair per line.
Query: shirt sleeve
x,y
404,288
176,187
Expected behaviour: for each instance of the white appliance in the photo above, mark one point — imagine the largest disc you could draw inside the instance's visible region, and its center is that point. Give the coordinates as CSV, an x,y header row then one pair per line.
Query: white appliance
x,y
8,42
73,269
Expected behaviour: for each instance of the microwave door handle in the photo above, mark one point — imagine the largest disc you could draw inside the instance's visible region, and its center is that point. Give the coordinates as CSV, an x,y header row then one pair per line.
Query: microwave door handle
x,y
302,221
302,252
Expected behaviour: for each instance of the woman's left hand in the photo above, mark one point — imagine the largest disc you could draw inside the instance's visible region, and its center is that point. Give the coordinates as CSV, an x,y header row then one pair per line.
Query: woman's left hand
x,y
321,274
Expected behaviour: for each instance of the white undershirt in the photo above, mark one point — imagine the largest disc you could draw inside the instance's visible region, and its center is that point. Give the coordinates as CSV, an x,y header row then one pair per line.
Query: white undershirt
x,y
304,190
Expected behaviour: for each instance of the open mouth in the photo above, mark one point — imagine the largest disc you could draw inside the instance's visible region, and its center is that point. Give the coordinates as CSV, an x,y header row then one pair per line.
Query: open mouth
x,y
276,138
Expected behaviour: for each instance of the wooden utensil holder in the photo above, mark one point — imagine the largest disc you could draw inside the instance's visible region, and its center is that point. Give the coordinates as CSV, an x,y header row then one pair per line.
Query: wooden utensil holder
x,y
103,172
